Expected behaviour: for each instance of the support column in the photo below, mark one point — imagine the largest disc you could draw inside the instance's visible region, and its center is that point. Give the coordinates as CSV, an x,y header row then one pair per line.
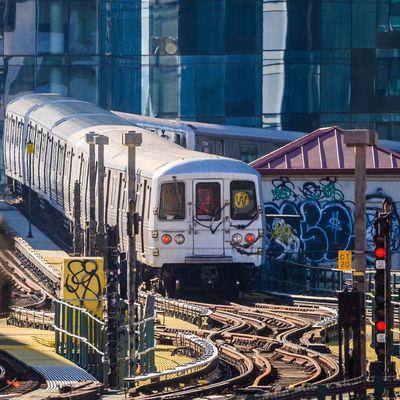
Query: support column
x,y
360,138
100,141
132,140
77,219
90,249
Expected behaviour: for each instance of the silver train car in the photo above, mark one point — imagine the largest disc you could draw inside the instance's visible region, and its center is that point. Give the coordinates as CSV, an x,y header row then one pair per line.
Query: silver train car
x,y
243,143
200,215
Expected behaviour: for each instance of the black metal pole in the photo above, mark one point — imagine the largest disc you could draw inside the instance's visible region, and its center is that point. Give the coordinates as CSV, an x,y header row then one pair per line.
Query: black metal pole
x,y
30,195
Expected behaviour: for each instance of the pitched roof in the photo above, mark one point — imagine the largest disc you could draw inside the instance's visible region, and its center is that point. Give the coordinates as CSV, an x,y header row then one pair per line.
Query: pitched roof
x,y
324,151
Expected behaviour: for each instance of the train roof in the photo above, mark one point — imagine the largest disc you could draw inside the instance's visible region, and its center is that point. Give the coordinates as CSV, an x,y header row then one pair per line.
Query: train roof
x,y
238,132
70,120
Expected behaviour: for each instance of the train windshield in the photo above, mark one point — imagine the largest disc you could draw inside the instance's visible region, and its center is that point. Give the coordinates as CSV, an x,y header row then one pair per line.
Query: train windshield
x,y
208,201
243,200
172,201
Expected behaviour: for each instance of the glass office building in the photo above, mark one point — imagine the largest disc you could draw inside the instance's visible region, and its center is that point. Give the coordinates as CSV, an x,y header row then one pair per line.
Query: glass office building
x,y
332,62
87,49
291,64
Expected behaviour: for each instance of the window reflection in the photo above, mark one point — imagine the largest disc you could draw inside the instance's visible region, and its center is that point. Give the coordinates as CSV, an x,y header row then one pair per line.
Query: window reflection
x,y
388,15
51,35
20,27
83,29
83,82
388,72
52,79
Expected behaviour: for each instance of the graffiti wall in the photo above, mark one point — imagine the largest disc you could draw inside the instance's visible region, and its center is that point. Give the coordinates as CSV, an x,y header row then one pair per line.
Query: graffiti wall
x,y
313,219
83,283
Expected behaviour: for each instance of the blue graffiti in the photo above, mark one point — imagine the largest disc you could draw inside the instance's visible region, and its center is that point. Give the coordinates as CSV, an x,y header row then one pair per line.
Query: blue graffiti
x,y
323,228
316,221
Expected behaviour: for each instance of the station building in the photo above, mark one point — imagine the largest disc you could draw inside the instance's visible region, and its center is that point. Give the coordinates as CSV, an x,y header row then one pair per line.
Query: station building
x,y
290,64
308,188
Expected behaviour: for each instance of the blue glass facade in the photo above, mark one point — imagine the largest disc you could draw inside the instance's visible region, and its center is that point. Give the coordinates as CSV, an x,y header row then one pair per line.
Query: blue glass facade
x,y
197,50
88,49
291,64
332,62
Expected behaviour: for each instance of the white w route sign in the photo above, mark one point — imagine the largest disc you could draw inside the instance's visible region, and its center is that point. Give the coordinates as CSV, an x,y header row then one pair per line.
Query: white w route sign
x,y
344,260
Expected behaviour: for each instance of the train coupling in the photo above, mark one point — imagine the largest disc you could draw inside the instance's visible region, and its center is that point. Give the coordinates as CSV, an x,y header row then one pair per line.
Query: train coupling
x,y
209,276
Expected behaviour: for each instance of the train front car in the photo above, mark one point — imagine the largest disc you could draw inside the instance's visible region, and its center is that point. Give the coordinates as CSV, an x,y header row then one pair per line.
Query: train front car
x,y
208,225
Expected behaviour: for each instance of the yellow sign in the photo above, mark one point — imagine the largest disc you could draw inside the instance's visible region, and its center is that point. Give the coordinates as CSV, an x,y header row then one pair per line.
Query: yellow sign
x,y
344,260
30,148
241,199
83,283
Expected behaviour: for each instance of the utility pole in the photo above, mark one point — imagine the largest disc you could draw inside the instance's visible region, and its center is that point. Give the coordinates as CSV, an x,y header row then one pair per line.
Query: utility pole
x,y
90,249
132,140
100,141
360,138
77,219
29,151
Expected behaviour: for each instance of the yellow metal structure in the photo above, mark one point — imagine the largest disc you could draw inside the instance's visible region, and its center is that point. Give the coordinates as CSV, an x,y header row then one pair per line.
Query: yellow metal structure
x,y
83,283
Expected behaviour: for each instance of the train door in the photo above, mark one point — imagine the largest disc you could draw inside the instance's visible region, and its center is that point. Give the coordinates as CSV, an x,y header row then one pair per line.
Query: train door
x,y
208,217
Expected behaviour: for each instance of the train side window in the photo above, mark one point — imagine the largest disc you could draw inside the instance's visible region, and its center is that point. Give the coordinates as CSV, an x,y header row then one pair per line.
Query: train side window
x,y
112,191
172,201
243,200
248,153
208,201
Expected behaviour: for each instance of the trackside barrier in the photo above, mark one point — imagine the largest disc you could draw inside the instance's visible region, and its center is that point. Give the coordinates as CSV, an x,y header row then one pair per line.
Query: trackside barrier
x,y
80,337
34,257
206,354
24,317
349,389
180,309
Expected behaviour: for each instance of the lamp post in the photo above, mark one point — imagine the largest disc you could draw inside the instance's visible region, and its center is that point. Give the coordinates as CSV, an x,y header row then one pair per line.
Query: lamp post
x,y
360,138
29,151
131,140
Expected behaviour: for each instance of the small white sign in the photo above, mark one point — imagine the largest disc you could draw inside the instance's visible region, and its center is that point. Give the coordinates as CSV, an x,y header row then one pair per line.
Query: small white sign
x,y
380,337
380,264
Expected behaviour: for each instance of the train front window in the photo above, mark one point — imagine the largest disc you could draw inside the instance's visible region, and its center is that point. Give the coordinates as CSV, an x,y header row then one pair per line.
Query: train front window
x,y
243,200
172,201
208,201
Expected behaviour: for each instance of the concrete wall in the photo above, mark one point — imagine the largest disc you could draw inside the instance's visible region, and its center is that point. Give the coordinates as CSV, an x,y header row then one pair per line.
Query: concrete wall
x,y
323,223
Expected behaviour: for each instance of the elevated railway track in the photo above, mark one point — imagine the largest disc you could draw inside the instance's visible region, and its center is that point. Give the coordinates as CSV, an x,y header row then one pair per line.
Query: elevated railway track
x,y
257,345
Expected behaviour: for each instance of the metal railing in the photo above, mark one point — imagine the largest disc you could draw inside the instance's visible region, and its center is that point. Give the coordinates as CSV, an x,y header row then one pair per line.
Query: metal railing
x,y
80,337
180,309
205,351
20,316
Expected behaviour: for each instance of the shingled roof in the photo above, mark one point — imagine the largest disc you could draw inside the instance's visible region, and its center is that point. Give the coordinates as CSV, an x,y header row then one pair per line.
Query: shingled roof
x,y
323,151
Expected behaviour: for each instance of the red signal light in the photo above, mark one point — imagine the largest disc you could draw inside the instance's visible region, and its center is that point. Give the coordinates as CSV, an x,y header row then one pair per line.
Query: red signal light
x,y
380,326
380,252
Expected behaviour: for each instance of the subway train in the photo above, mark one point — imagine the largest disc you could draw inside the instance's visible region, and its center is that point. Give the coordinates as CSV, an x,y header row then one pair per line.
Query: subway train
x,y
201,220
243,143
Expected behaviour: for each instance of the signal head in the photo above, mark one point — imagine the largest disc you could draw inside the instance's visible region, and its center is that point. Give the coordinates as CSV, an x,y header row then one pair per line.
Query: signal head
x,y
380,326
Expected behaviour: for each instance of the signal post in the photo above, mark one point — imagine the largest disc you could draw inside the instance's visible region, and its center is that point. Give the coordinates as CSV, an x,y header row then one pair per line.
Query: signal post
x,y
360,139
383,312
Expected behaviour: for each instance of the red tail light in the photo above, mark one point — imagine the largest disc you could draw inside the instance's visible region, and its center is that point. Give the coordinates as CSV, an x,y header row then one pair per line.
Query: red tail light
x,y
250,238
166,239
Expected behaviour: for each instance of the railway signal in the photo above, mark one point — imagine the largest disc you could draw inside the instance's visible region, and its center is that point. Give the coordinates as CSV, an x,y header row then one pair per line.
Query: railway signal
x,y
383,318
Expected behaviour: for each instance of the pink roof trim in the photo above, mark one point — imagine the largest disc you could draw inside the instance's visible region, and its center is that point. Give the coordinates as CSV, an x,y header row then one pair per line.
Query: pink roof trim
x,y
324,150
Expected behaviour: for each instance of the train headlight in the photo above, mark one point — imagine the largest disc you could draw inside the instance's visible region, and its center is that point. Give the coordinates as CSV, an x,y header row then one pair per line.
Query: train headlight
x,y
237,238
179,239
250,238
166,239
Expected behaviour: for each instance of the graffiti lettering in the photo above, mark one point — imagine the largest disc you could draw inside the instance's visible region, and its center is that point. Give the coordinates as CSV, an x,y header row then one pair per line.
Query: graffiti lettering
x,y
317,221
